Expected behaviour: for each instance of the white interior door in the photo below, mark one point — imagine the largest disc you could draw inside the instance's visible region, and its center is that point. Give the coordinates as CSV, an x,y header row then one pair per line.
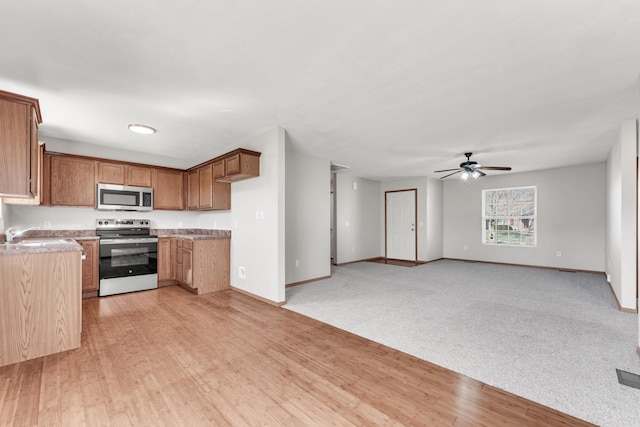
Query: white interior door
x,y
401,224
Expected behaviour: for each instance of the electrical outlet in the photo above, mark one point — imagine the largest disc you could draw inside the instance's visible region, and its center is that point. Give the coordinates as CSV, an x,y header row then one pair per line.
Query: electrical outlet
x,y
297,263
242,273
47,225
180,224
466,248
558,253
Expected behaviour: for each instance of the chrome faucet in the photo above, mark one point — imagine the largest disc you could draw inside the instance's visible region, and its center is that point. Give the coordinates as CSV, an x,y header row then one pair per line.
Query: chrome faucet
x,y
13,232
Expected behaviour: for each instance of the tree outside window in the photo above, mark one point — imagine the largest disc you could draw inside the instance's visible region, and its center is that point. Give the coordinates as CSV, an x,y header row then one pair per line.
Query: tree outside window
x,y
509,216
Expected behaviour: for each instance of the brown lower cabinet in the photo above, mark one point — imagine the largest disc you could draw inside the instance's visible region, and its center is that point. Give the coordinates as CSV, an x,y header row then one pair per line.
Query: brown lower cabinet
x,y
201,265
90,279
40,306
164,260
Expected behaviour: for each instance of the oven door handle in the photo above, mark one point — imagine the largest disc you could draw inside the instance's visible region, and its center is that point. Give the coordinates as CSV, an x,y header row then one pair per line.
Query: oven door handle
x,y
128,241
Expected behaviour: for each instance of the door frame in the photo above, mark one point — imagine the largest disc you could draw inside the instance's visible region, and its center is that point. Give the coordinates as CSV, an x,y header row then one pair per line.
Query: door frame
x,y
415,228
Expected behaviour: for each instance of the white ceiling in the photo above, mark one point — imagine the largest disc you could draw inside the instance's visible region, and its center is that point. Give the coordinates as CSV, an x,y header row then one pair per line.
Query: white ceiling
x,y
390,88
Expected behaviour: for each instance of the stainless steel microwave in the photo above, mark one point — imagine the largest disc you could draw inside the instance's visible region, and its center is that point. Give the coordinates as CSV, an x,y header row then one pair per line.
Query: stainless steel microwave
x,y
111,197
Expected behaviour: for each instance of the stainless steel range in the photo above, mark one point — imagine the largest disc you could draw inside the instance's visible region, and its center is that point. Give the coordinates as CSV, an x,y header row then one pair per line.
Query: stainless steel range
x,y
128,256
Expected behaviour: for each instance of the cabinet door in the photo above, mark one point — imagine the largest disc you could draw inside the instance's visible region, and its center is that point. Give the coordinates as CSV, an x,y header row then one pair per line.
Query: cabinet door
x,y
34,175
241,164
193,190
205,190
218,169
187,266
178,261
138,176
168,189
111,173
164,259
173,246
15,149
221,195
73,181
90,280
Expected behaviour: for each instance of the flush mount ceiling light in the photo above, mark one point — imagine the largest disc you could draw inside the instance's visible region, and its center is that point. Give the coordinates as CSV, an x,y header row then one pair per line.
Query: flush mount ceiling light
x,y
143,129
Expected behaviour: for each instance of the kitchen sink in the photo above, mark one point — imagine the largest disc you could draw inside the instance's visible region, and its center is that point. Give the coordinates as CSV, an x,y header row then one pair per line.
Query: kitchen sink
x,y
41,242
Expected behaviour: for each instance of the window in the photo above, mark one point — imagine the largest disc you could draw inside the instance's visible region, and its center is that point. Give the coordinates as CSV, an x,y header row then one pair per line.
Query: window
x,y
509,216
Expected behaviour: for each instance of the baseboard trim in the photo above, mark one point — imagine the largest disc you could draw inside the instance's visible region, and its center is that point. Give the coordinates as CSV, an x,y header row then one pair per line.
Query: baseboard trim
x,y
358,260
620,307
164,283
378,258
89,294
566,270
307,281
259,298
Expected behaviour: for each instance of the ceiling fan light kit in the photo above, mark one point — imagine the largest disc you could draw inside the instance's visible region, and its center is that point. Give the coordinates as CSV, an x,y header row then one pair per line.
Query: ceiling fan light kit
x,y
471,168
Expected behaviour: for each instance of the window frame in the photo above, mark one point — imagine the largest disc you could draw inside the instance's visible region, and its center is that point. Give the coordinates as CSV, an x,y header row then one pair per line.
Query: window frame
x,y
509,218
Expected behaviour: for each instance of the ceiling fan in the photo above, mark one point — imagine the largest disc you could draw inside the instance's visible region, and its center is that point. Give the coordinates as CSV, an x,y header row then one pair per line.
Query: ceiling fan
x,y
471,169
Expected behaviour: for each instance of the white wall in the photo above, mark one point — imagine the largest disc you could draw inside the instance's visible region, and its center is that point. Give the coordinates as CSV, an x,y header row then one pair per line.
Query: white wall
x,y
308,218
257,221
429,211
358,218
570,212
435,206
63,218
621,216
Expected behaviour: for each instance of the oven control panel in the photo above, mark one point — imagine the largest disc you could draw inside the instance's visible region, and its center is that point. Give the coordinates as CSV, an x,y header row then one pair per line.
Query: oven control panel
x,y
109,224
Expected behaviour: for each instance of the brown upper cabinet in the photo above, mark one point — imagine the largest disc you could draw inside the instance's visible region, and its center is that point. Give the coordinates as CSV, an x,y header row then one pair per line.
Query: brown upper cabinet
x,y
205,193
218,169
139,176
72,180
168,189
19,119
124,174
239,164
111,173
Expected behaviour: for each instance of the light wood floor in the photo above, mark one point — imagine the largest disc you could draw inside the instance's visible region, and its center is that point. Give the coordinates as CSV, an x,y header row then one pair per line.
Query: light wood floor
x,y
167,357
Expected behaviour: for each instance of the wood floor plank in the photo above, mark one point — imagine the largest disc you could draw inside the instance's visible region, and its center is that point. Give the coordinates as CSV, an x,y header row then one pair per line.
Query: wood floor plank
x,y
167,357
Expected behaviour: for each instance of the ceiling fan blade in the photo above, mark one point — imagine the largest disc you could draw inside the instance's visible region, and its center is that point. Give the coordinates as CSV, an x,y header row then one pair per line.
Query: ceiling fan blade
x,y
458,171
495,168
446,170
481,173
